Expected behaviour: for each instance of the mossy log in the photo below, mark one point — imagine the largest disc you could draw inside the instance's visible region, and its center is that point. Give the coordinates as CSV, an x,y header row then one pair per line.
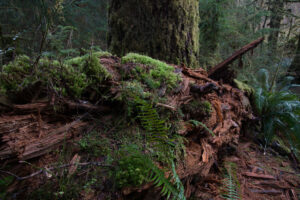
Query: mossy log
x,y
33,129
166,30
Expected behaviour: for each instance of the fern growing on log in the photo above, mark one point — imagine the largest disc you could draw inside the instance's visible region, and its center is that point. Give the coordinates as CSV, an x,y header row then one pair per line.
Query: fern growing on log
x,y
157,132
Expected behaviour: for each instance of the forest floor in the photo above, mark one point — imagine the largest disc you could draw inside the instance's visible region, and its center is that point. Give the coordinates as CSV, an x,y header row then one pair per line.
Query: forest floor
x,y
56,147
261,177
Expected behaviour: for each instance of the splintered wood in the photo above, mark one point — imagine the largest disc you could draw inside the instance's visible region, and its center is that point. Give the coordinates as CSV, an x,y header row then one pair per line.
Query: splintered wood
x,y
32,135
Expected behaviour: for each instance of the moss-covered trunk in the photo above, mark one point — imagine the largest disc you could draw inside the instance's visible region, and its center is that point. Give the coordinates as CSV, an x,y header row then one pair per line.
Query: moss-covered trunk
x,y
163,29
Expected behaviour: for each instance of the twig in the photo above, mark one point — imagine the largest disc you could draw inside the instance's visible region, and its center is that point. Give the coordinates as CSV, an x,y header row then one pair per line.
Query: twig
x,y
166,106
51,168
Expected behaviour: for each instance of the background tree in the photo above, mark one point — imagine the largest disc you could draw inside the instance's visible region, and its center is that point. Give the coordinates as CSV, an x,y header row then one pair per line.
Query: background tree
x,y
295,66
163,29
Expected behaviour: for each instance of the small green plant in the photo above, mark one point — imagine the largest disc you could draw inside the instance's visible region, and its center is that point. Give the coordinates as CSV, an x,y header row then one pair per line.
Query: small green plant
x,y
278,109
94,144
131,171
230,183
4,183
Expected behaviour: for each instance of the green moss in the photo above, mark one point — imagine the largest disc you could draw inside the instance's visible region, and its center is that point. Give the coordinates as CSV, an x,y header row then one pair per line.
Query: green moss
x,y
198,108
100,54
70,78
95,70
17,74
159,73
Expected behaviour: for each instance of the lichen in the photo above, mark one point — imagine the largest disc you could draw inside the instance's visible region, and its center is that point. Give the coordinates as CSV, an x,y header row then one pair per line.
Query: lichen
x,y
155,74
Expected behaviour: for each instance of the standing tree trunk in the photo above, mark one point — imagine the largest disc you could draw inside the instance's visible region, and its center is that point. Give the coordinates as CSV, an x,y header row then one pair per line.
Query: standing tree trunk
x,y
295,66
163,29
276,9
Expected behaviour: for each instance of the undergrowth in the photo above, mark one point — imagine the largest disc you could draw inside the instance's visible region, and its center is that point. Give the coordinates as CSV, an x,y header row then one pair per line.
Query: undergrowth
x,y
278,109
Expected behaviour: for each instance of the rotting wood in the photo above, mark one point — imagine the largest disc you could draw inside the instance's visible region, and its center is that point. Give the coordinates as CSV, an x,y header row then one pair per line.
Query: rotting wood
x,y
217,70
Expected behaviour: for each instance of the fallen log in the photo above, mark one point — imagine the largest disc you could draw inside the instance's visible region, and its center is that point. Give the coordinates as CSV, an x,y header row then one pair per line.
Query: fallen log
x,y
32,130
217,72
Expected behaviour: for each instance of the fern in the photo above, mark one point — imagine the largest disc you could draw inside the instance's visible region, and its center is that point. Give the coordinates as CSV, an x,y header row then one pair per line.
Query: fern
x,y
155,174
157,132
231,183
278,108
197,123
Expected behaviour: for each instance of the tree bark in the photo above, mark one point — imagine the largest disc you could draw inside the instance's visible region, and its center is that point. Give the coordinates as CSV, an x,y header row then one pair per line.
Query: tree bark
x,y
163,29
276,9
295,66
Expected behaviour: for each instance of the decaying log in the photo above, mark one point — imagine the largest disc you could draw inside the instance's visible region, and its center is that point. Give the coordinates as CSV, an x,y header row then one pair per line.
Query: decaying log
x,y
34,129
218,71
51,140
25,138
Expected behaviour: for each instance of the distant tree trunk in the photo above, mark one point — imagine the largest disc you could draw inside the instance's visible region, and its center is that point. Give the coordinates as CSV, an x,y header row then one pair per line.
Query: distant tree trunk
x,y
295,66
276,9
210,14
163,29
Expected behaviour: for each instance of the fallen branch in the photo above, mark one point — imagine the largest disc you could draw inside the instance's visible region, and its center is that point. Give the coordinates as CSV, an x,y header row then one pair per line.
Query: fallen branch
x,y
216,70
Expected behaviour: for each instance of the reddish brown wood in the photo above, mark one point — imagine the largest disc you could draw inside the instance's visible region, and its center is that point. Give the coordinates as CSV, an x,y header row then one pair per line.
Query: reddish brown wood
x,y
219,67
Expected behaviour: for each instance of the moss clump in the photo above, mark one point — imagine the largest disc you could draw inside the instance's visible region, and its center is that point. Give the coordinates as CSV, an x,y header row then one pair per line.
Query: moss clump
x,y
158,74
100,54
131,171
198,109
70,78
17,75
90,65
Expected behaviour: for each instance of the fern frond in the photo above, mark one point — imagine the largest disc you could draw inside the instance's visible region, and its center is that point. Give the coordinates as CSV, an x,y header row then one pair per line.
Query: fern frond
x,y
197,123
157,132
231,184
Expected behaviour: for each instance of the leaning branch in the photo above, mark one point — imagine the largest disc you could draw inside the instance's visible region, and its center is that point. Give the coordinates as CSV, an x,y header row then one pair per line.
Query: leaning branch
x,y
223,65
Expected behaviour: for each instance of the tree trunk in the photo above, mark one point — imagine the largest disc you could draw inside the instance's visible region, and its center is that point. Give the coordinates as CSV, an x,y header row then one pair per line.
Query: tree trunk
x,y
163,29
276,9
295,66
